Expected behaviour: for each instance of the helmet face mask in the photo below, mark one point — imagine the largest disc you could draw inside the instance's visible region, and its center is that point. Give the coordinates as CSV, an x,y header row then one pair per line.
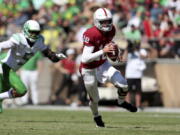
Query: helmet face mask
x,y
31,30
34,34
103,19
106,24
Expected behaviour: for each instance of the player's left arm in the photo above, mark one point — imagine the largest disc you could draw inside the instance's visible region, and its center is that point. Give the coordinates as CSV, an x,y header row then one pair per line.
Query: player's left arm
x,y
53,56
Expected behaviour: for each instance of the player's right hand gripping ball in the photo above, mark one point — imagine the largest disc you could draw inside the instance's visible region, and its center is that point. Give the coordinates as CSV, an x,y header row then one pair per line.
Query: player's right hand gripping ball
x,y
113,55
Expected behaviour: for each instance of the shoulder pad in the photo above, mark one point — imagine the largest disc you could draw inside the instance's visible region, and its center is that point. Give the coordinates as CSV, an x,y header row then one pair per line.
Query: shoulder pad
x,y
41,37
16,38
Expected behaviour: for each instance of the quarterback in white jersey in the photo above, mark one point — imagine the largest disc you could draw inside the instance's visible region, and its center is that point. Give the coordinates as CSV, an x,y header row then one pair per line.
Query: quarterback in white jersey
x,y
22,46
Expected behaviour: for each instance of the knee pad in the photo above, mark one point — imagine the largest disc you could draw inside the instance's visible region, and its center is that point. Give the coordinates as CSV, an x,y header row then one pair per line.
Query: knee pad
x,y
124,87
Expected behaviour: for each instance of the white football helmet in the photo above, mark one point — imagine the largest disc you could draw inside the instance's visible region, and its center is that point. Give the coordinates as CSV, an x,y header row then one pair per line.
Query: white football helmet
x,y
31,30
103,19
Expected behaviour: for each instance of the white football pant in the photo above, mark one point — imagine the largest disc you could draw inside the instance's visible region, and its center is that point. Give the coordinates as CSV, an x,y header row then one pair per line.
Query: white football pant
x,y
105,73
30,78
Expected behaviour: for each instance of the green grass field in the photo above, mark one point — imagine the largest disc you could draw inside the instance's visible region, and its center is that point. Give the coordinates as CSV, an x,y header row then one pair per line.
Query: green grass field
x,y
50,122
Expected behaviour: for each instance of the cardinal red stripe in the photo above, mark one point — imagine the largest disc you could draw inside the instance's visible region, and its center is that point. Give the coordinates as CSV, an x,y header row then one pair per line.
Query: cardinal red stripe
x,y
104,11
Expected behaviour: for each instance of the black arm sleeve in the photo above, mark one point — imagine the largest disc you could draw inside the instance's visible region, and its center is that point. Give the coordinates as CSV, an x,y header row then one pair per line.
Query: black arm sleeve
x,y
51,55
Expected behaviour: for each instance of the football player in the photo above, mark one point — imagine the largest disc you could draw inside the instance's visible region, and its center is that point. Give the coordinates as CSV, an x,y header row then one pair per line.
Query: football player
x,y
97,43
22,46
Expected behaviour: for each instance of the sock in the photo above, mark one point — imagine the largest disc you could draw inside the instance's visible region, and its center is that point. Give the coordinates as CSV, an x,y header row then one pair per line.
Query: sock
x,y
94,108
6,94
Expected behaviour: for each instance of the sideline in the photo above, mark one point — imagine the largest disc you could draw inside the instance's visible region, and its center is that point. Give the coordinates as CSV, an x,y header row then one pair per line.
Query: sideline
x,y
86,108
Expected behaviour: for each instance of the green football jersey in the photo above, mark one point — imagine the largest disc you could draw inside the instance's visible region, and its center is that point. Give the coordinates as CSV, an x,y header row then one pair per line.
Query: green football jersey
x,y
32,62
20,51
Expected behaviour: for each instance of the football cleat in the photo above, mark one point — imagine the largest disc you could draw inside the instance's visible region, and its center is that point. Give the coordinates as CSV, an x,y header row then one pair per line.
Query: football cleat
x,y
99,122
128,106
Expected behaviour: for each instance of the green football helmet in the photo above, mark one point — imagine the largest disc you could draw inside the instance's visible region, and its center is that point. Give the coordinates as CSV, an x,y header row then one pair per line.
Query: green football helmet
x,y
31,30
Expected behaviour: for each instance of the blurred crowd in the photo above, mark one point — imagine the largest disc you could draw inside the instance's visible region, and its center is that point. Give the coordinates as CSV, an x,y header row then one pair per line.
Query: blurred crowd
x,y
154,23
150,24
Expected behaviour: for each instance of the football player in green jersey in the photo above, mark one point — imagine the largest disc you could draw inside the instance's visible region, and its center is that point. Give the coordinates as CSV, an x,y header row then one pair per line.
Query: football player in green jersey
x,y
22,46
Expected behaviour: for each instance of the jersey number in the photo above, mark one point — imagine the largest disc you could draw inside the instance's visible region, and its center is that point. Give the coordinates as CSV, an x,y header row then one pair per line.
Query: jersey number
x,y
24,58
102,57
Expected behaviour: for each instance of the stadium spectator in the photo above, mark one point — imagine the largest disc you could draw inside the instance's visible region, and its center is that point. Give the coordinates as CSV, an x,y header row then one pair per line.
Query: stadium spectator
x,y
83,26
134,72
155,11
132,33
147,26
67,67
135,20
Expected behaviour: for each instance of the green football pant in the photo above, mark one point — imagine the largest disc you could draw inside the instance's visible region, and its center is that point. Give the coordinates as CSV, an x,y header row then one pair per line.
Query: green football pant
x,y
9,79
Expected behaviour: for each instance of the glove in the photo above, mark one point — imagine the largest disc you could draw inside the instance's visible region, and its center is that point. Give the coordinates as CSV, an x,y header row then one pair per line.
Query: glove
x,y
61,56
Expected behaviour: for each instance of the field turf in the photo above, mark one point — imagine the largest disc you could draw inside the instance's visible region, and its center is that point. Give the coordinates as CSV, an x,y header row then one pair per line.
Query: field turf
x,y
57,122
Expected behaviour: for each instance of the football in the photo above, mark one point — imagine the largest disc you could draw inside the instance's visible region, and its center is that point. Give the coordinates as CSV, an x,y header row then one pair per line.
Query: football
x,y
114,55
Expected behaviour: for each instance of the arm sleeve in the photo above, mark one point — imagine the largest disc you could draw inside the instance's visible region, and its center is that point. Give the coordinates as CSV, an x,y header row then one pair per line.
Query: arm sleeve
x,y
51,55
6,44
89,56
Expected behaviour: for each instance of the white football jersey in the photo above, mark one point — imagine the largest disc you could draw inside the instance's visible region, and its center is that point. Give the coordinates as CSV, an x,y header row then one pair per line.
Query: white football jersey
x,y
20,51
